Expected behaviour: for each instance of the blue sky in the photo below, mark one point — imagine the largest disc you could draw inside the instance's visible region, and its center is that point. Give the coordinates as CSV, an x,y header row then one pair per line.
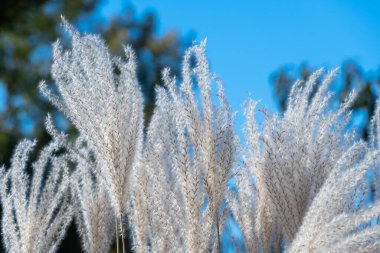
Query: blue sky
x,y
249,40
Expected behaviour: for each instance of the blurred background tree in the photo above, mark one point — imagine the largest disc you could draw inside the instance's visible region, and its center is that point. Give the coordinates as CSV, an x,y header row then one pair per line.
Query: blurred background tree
x,y
352,77
27,29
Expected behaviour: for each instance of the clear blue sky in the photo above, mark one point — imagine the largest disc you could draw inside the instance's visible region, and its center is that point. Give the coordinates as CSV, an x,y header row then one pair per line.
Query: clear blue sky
x,y
248,40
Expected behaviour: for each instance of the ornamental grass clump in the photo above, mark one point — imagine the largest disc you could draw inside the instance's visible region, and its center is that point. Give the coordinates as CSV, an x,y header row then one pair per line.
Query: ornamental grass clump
x,y
95,217
188,158
285,164
298,182
36,210
100,95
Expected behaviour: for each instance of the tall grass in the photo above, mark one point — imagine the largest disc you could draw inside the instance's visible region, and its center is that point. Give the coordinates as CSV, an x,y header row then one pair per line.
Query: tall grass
x,y
296,183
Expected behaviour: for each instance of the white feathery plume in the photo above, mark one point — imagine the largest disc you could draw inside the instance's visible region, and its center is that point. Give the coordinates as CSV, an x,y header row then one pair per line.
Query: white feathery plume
x,y
337,221
286,163
95,216
251,207
36,211
300,150
100,95
189,155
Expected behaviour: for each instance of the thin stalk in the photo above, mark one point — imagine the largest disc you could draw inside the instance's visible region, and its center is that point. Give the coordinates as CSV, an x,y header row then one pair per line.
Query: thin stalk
x,y
117,236
233,239
217,228
122,233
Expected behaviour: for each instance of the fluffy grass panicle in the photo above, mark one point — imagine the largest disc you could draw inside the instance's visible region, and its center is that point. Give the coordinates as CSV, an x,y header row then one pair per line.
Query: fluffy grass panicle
x,y
189,154
95,216
37,210
101,96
